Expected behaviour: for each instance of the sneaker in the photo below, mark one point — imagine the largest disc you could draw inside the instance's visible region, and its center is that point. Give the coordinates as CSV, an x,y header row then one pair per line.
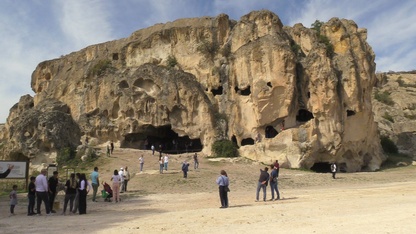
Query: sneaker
x,y
50,214
53,211
256,200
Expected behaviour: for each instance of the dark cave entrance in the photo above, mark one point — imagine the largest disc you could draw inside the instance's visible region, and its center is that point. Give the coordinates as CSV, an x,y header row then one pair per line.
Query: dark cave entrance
x,y
163,138
304,116
270,132
247,141
321,167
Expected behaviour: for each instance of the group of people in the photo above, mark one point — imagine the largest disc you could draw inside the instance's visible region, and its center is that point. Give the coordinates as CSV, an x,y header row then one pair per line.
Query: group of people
x,y
41,189
266,178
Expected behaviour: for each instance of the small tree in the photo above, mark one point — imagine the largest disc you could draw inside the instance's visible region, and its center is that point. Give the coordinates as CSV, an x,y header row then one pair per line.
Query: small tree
x,y
224,148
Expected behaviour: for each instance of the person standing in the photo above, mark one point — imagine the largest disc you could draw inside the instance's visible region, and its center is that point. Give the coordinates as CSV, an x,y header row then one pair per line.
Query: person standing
x,y
274,182
262,183
141,161
95,182
196,163
83,190
116,185
121,173
111,147
53,184
161,164
108,150
153,149
13,199
71,186
76,200
126,178
42,189
31,195
185,168
277,165
333,170
7,172
166,161
223,184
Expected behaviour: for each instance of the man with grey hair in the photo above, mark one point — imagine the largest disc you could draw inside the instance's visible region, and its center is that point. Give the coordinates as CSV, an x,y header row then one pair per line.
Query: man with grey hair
x,y
42,190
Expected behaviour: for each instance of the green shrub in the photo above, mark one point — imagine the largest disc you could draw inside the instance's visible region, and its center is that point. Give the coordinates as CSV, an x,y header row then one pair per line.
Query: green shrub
x,y
99,68
208,48
171,61
322,38
65,156
224,148
388,117
388,145
384,97
401,82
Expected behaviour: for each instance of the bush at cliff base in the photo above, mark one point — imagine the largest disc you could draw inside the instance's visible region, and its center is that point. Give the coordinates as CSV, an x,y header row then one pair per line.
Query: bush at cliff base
x,y
224,148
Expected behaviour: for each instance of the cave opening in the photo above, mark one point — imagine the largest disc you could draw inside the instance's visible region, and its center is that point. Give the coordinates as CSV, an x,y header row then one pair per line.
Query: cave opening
x,y
350,113
304,116
270,132
243,92
247,141
163,138
234,140
321,167
269,84
217,91
115,56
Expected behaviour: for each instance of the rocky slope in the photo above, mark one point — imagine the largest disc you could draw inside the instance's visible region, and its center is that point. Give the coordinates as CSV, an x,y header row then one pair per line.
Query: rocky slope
x,y
296,94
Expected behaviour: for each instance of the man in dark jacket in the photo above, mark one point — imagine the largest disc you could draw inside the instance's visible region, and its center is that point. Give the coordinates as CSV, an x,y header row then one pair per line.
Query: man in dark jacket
x,y
262,183
53,184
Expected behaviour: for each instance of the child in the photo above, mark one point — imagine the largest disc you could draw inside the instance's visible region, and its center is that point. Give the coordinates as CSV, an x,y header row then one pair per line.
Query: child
x,y
13,199
31,195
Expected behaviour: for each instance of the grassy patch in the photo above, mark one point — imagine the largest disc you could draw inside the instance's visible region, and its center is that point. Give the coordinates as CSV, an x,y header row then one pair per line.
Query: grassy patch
x,y
384,97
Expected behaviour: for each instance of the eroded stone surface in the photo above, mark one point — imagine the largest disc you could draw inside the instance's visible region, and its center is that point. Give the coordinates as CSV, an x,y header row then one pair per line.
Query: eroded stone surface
x,y
244,80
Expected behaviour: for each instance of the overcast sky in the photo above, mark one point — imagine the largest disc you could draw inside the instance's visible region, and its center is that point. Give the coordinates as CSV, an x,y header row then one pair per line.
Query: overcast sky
x,y
33,31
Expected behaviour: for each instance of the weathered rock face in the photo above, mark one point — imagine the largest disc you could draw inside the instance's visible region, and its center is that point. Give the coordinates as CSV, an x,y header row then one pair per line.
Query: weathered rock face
x,y
190,82
395,109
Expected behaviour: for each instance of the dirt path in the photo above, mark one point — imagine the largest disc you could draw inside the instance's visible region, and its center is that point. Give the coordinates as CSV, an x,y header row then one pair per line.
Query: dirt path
x,y
379,202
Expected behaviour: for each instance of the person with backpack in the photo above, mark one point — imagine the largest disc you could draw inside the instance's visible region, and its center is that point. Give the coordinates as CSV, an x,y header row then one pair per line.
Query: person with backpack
x,y
185,168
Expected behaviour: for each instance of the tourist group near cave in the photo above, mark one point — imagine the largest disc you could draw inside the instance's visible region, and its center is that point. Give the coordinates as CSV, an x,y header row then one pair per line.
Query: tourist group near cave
x,y
43,190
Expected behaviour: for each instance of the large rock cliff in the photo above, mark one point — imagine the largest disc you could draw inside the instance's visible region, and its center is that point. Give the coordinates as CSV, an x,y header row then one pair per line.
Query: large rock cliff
x,y
295,94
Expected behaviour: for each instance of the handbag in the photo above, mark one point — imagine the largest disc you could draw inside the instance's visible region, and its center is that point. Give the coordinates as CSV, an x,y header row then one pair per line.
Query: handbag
x,y
227,189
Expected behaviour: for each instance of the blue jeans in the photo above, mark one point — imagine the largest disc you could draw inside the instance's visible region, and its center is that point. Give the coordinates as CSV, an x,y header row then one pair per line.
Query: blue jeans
x,y
274,187
166,166
160,168
261,186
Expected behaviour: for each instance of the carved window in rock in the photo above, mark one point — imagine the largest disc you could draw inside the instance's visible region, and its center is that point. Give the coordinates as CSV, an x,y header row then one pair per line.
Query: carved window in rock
x,y
243,92
304,116
247,141
217,91
350,112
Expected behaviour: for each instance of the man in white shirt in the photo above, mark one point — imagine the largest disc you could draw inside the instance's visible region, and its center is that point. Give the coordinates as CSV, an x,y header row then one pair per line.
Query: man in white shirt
x,y
121,173
42,190
165,161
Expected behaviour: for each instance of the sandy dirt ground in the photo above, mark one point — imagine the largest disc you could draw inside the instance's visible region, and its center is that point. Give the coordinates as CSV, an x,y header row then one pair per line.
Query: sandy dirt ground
x,y
376,202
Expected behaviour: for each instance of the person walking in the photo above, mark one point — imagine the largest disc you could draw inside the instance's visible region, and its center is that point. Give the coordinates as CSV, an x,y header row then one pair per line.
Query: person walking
x,y
13,199
116,185
141,162
31,195
196,163
262,183
83,191
274,182
185,168
95,182
223,183
126,178
111,147
333,170
166,161
121,174
42,189
71,187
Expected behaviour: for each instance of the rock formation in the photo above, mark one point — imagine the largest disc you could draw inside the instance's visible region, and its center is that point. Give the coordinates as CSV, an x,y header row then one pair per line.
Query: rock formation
x,y
293,94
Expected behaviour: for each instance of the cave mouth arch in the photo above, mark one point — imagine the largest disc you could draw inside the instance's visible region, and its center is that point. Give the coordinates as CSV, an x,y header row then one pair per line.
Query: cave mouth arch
x,y
247,141
163,138
321,167
270,132
304,115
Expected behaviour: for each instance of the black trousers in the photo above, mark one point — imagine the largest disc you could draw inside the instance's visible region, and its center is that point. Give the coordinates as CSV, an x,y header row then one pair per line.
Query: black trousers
x,y
223,196
52,196
31,206
43,196
82,206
